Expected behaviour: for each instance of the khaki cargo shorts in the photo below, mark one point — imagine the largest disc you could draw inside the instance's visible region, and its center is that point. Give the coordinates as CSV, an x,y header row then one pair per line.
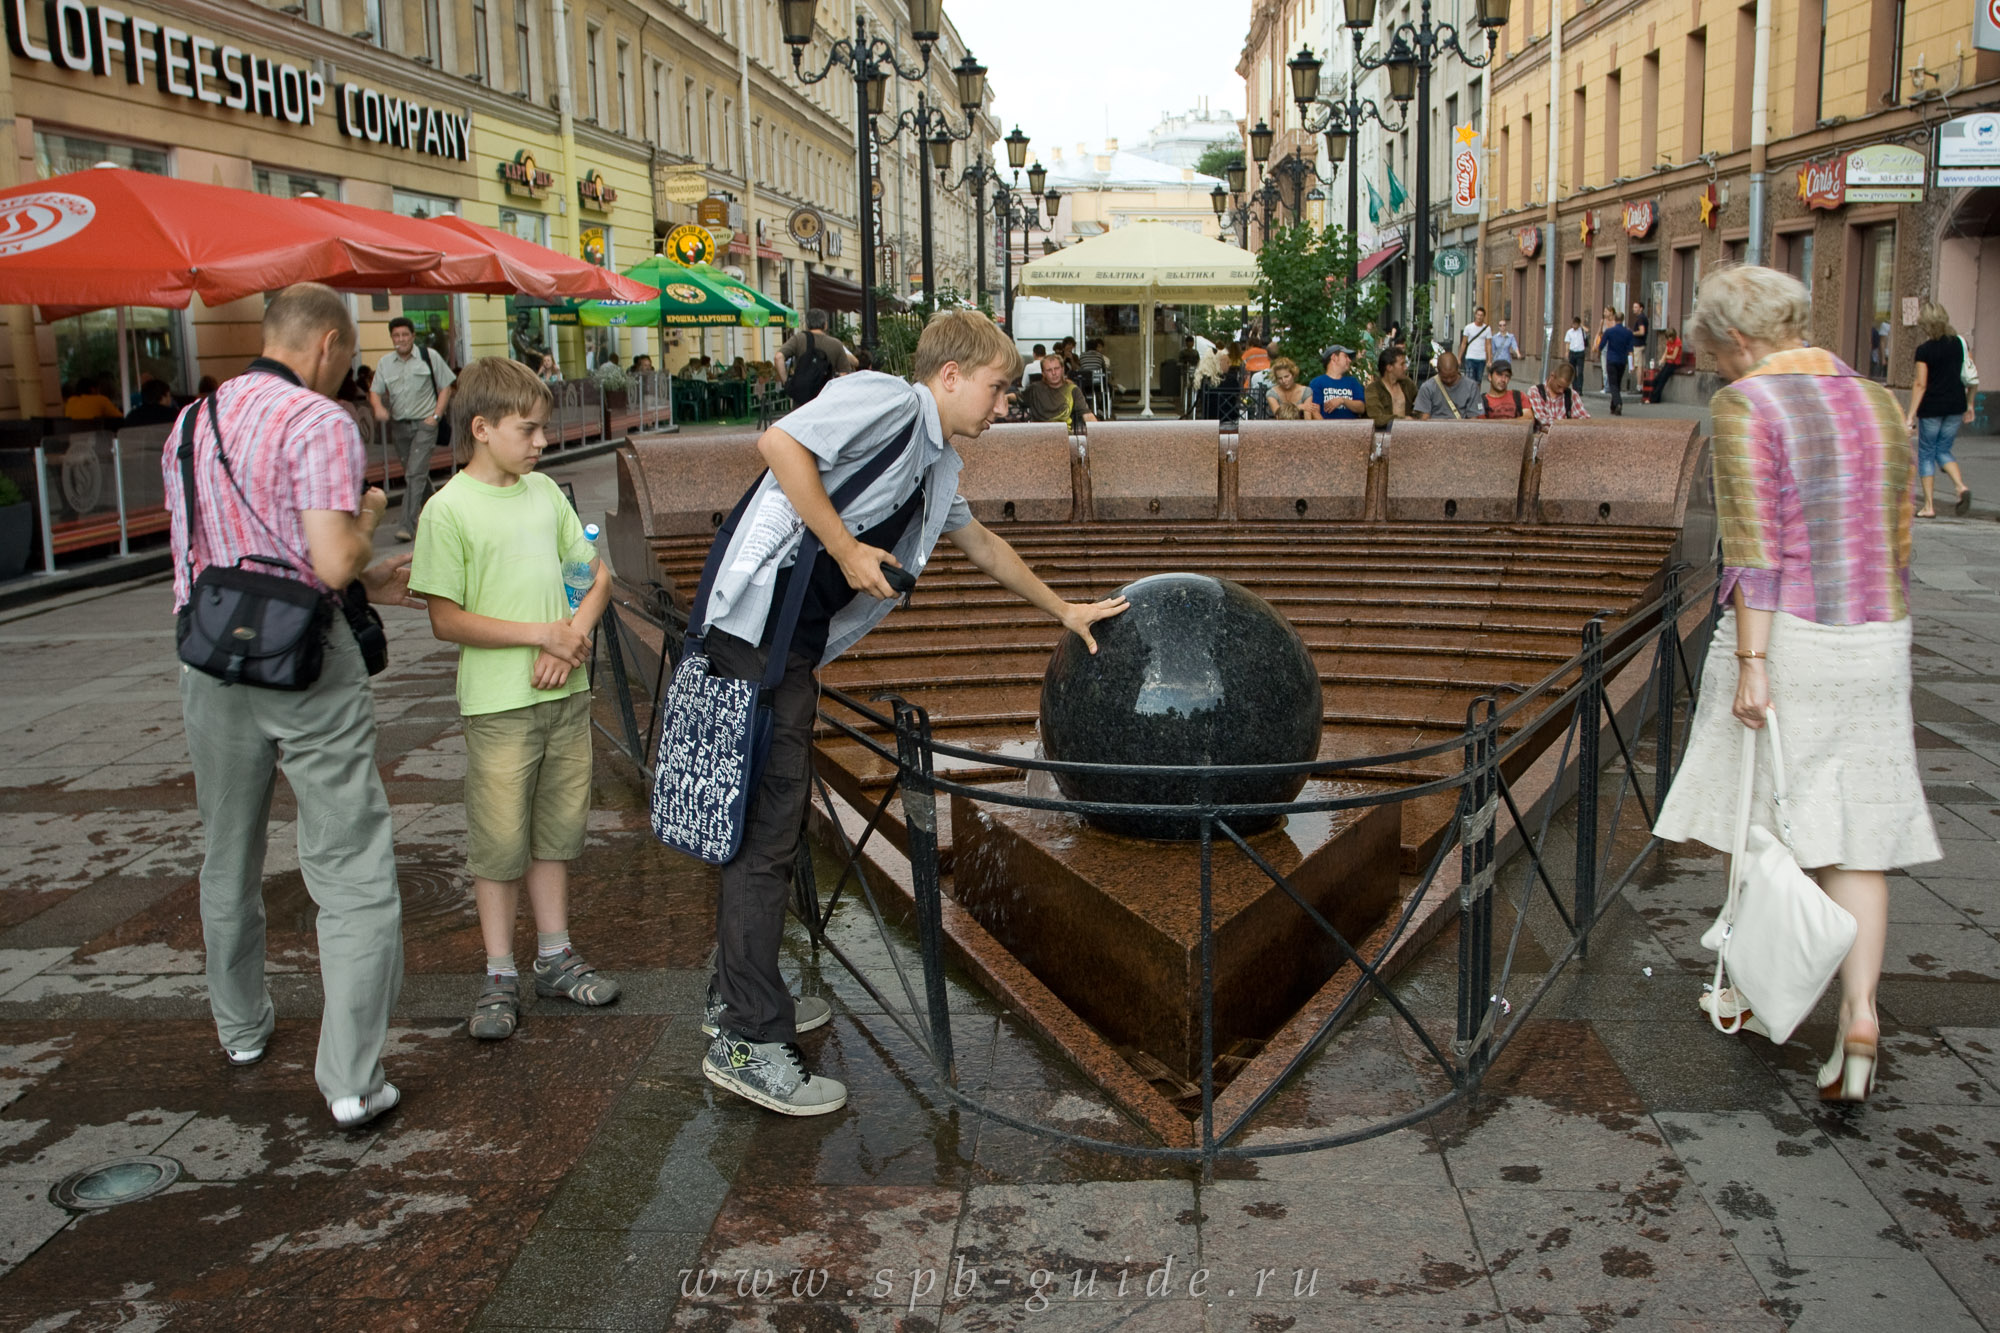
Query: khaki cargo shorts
x,y
527,786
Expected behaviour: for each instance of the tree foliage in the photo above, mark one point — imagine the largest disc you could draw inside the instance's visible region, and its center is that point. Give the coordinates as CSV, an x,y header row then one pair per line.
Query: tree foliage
x,y
1218,158
1303,275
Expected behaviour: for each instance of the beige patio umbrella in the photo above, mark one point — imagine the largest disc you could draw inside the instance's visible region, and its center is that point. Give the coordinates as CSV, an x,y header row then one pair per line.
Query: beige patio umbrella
x,y
1147,263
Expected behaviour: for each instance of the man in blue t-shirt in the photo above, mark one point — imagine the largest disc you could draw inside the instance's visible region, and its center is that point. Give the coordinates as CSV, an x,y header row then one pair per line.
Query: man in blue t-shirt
x,y
1338,394
1616,344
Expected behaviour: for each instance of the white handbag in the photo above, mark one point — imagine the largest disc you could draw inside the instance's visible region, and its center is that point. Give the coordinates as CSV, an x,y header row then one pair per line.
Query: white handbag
x,y
1968,374
1779,939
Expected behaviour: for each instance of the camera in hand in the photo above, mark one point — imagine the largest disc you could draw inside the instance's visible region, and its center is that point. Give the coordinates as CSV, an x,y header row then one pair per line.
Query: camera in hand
x,y
902,580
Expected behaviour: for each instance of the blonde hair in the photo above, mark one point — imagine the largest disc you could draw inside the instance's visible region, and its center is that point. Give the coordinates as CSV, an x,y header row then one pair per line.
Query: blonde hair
x,y
967,337
1763,304
493,387
1934,321
1284,363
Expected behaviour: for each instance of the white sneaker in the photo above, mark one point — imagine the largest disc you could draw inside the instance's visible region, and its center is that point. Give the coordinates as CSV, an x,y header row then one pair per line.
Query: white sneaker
x,y
249,1055
354,1112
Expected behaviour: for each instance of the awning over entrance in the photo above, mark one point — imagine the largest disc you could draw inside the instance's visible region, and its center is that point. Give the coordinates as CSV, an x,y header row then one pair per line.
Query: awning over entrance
x,y
1376,260
826,292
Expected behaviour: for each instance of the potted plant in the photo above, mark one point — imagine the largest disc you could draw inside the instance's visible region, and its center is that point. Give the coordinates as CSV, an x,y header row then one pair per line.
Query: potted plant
x,y
17,529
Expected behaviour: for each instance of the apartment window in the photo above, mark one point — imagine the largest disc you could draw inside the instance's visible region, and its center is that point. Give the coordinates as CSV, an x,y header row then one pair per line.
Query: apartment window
x,y
1529,190
1885,53
1649,112
372,20
1613,106
1746,73
624,87
1579,110
1502,158
524,62
1810,103
728,135
593,59
689,143
434,33
479,67
1694,102
708,125
658,85
1478,102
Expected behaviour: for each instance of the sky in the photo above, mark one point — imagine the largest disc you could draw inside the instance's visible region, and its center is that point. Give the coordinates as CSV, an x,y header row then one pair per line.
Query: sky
x,y
1080,71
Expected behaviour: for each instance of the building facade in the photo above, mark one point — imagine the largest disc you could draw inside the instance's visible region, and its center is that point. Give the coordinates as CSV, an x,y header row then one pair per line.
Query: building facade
x,y
591,126
1651,178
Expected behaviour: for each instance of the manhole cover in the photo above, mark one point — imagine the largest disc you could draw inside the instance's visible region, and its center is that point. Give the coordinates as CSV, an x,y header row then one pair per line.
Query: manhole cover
x,y
112,1183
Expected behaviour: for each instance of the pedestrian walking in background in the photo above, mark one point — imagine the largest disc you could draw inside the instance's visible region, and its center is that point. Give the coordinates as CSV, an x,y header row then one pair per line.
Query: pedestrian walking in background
x,y
963,369
1392,391
1939,403
410,395
1642,335
292,491
809,359
1502,399
1287,399
490,563
1475,343
1576,343
1505,346
1614,345
1556,398
1449,395
1812,486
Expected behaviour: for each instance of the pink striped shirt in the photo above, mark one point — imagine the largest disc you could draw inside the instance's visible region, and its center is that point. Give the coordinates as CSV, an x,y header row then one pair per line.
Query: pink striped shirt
x,y
1813,470
289,450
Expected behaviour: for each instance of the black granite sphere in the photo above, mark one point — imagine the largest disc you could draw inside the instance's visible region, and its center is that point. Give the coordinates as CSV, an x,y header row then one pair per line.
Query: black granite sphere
x,y
1199,672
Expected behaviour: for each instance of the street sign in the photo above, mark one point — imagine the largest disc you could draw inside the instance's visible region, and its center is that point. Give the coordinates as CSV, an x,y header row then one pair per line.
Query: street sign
x,y
1986,28
1885,173
1450,263
684,185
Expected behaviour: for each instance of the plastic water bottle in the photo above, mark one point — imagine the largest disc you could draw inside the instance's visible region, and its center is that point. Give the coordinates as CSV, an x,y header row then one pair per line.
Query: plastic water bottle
x,y
580,575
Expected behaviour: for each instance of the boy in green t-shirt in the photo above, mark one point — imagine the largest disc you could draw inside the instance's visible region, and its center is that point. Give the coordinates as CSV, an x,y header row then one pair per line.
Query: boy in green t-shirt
x,y
489,559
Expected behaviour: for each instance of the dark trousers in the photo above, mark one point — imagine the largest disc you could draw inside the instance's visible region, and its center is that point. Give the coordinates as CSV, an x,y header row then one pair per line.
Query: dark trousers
x,y
757,884
1576,370
1614,383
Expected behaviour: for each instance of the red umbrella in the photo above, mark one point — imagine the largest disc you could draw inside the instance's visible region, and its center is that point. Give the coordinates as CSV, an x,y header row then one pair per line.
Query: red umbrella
x,y
469,264
574,278
111,237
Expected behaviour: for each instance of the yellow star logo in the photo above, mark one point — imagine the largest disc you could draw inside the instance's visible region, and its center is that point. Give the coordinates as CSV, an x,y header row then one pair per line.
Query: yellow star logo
x,y
1708,207
1466,134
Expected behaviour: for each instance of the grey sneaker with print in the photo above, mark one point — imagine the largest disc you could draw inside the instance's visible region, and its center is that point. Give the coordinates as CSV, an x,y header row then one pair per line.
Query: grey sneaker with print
x,y
808,1012
772,1074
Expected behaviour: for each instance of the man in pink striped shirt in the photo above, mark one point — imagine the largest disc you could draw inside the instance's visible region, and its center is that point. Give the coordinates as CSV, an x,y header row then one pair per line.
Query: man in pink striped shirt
x,y
278,469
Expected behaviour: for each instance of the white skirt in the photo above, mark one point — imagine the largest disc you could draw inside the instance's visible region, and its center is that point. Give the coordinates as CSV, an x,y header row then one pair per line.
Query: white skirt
x,y
1842,695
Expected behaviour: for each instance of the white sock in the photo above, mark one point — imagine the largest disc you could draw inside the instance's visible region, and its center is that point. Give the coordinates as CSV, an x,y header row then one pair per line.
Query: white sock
x,y
550,943
501,965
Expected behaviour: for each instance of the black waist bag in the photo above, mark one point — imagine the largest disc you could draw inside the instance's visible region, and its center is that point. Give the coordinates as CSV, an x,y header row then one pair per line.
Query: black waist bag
x,y
242,626
251,628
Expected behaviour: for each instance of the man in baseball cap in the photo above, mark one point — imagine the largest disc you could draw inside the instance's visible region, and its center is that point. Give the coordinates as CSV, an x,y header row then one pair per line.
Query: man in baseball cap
x,y
1336,394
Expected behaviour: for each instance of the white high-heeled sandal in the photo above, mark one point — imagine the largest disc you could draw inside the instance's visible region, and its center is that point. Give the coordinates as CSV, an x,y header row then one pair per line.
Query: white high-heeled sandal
x,y
1849,1073
1728,1006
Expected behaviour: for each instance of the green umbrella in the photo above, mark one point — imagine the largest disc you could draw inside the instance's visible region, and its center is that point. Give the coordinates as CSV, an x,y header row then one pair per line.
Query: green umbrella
x,y
690,296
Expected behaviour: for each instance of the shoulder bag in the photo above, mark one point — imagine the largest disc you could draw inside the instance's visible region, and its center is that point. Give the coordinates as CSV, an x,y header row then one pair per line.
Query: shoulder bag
x,y
718,730
243,626
1779,939
1968,374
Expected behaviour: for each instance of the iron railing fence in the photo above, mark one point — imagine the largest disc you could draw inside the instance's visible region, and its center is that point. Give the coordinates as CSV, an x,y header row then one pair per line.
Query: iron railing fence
x,y
1577,696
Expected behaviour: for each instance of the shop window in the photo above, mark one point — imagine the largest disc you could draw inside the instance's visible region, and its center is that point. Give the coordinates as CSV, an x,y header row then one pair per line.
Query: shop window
x,y
1874,330
156,348
412,205
1795,256
284,183
527,321
59,154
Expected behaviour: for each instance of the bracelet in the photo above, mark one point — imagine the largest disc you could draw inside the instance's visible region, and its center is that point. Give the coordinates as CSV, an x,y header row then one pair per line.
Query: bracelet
x,y
1747,656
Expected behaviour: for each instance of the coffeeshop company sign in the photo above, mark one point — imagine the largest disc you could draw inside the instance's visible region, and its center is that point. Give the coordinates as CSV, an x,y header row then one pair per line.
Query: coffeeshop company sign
x,y
101,42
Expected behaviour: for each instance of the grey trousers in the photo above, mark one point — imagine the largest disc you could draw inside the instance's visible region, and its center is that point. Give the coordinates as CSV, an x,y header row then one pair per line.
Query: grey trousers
x,y
414,442
324,739
757,884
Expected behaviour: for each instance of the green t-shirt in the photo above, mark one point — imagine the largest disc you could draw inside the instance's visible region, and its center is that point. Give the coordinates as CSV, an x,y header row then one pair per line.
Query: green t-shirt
x,y
498,551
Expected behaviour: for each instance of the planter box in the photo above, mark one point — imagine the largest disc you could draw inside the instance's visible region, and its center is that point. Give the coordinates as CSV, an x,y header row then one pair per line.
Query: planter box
x,y
17,534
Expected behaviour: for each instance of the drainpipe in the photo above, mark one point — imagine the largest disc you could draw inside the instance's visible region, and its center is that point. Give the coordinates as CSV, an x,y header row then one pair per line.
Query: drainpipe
x,y
20,319
743,140
1760,98
1549,249
559,21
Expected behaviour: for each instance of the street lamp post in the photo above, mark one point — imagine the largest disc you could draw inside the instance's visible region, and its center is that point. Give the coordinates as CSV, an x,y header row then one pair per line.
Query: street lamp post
x,y
1011,209
978,174
1414,51
934,136
873,62
1294,166
1341,124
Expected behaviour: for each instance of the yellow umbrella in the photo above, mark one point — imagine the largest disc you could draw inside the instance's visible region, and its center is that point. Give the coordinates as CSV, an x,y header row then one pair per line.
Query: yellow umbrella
x,y
1146,263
